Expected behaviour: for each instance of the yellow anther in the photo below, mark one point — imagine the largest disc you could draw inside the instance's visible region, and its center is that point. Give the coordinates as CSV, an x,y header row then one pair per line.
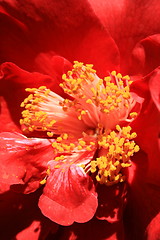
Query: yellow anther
x,y
118,93
118,100
133,114
21,121
116,140
113,134
136,148
125,165
126,95
22,104
126,77
31,129
82,143
59,139
121,141
118,128
52,122
72,145
88,148
113,73
111,108
57,166
60,158
107,79
79,147
112,168
89,101
63,77
126,105
119,75
47,92
111,149
106,111
48,171
120,83
89,65
30,89
43,181
50,134
98,178
83,112
133,135
42,88
54,144
130,82
116,163
65,136
94,91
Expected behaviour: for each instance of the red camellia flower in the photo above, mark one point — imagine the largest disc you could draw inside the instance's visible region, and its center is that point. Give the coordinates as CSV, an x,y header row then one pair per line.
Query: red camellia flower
x,y
80,119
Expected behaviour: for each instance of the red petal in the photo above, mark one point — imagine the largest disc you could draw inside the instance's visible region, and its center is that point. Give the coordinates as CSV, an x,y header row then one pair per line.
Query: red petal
x,y
23,161
143,201
153,229
147,129
71,31
54,66
6,122
146,55
99,48
147,123
127,24
15,39
154,86
69,196
37,230
32,231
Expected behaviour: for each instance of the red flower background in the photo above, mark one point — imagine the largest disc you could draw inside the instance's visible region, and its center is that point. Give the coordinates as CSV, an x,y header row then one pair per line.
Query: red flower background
x,y
42,37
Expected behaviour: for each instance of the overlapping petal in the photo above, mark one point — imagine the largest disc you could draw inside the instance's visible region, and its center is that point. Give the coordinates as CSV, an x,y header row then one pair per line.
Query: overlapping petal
x,y
145,55
69,195
67,29
140,209
147,124
128,22
22,164
144,178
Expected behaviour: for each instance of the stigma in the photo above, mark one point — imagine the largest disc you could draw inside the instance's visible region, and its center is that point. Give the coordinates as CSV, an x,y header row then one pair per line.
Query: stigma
x,y
89,120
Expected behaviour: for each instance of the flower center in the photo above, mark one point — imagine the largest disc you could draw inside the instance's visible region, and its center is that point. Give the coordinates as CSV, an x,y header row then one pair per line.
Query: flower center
x,y
88,120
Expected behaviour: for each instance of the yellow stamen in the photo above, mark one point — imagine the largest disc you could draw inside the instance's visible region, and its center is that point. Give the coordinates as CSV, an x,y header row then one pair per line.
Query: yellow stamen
x,y
119,148
91,95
